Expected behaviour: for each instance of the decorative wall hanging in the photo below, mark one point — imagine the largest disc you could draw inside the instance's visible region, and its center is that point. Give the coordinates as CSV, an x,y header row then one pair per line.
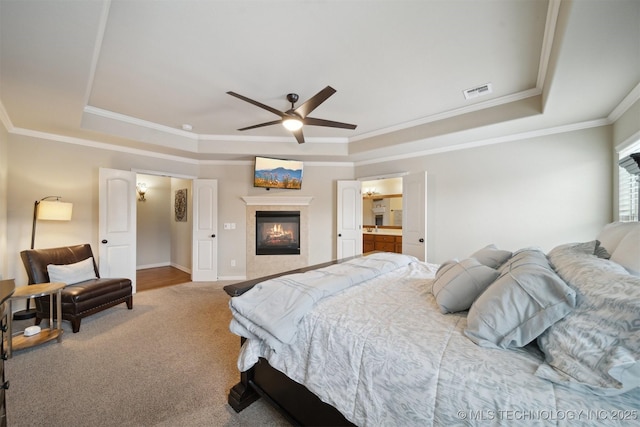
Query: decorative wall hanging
x,y
181,205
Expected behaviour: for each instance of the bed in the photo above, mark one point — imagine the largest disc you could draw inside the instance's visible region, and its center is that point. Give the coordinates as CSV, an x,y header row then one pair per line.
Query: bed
x,y
496,338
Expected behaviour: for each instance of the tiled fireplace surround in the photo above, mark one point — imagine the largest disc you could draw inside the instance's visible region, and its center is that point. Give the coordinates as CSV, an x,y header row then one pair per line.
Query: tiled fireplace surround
x,y
263,265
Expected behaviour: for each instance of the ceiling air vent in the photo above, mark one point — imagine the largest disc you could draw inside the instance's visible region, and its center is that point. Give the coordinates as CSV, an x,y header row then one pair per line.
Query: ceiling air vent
x,y
478,91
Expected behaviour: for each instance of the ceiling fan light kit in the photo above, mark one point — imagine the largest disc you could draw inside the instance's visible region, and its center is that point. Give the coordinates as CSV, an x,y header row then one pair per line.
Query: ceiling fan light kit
x,y
292,124
294,118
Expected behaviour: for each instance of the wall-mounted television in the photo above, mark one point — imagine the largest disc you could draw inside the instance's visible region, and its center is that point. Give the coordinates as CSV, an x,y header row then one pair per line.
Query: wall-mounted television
x,y
277,173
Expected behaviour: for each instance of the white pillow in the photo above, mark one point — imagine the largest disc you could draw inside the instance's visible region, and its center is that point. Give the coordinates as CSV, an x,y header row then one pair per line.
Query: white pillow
x,y
520,305
612,234
458,284
627,253
72,273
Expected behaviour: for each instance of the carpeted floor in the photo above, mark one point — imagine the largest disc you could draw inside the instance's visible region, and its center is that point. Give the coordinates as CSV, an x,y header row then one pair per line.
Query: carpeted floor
x,y
168,362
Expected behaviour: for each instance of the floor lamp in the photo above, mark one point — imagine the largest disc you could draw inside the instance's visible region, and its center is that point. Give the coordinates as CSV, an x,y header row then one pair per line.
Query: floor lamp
x,y
46,210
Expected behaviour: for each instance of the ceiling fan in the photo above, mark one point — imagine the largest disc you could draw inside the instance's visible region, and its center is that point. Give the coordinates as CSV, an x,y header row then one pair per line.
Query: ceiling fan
x,y
294,118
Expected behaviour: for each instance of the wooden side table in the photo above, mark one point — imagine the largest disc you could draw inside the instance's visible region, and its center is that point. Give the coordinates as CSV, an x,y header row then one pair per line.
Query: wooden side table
x,y
19,341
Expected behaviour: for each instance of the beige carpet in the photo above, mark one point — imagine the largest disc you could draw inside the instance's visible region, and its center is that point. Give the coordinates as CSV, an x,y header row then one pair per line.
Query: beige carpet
x,y
168,362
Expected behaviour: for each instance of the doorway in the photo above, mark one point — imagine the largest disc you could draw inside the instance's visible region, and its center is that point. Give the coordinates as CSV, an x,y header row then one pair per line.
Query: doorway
x,y
164,238
382,204
414,210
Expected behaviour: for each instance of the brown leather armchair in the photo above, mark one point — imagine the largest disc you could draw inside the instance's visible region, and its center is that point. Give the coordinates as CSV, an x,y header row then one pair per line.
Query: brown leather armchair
x,y
81,299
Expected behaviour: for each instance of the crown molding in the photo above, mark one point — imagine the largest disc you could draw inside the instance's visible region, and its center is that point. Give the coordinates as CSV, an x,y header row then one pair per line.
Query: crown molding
x,y
547,41
100,145
625,104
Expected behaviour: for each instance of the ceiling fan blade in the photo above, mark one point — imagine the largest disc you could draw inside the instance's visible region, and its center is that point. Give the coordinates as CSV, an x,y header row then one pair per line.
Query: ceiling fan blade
x,y
275,122
328,123
312,103
299,136
257,104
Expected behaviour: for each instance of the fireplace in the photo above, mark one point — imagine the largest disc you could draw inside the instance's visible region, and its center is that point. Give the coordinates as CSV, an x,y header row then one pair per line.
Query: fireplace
x,y
277,232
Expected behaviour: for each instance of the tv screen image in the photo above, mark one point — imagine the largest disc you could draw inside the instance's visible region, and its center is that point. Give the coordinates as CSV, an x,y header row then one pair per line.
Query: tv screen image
x,y
277,173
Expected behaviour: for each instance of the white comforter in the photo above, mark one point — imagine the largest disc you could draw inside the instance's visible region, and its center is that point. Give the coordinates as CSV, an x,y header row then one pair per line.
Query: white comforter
x,y
383,355
272,310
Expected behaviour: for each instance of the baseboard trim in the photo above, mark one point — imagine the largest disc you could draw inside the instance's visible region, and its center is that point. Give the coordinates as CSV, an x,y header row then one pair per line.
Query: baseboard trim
x,y
182,268
146,266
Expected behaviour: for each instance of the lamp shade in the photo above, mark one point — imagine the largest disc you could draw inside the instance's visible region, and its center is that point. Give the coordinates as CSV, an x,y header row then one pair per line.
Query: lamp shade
x,y
54,210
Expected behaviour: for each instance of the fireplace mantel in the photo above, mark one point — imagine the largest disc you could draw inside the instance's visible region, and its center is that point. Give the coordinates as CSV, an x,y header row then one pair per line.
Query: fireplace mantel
x,y
277,200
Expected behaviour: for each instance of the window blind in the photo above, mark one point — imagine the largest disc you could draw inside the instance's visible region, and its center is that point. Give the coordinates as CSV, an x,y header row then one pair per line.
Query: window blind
x,y
629,191
628,188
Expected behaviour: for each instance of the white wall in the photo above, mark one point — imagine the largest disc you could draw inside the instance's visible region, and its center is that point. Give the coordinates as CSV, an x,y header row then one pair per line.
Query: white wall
x,y
3,202
627,127
153,231
536,192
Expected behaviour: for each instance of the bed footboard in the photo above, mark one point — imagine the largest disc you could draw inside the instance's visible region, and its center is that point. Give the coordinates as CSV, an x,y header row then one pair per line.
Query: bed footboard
x,y
293,400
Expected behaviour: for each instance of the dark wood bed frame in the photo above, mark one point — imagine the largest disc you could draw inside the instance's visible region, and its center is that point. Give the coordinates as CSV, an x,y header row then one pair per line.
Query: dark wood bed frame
x,y
293,400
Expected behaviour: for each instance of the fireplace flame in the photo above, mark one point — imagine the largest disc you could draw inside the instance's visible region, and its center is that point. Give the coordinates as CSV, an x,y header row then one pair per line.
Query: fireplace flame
x,y
277,232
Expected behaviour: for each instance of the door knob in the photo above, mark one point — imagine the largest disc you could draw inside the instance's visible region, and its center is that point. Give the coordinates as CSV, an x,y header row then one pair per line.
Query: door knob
x,y
339,235
105,241
213,235
421,240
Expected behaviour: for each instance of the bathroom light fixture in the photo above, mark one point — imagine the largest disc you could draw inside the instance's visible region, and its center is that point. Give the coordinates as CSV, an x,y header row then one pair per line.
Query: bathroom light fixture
x,y
141,188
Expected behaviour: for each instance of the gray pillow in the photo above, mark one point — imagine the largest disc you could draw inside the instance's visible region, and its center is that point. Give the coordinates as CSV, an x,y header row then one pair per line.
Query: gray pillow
x,y
459,283
520,305
491,256
601,251
446,264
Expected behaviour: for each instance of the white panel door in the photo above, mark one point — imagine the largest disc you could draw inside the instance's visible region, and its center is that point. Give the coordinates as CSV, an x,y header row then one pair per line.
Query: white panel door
x,y
205,229
117,224
414,215
349,219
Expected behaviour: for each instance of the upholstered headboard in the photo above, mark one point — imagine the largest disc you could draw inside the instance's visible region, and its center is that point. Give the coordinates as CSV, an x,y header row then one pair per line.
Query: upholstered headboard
x,y
36,260
622,241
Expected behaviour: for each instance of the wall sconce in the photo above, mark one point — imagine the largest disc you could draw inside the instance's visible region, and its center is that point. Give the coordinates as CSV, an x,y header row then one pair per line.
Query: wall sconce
x,y
141,188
